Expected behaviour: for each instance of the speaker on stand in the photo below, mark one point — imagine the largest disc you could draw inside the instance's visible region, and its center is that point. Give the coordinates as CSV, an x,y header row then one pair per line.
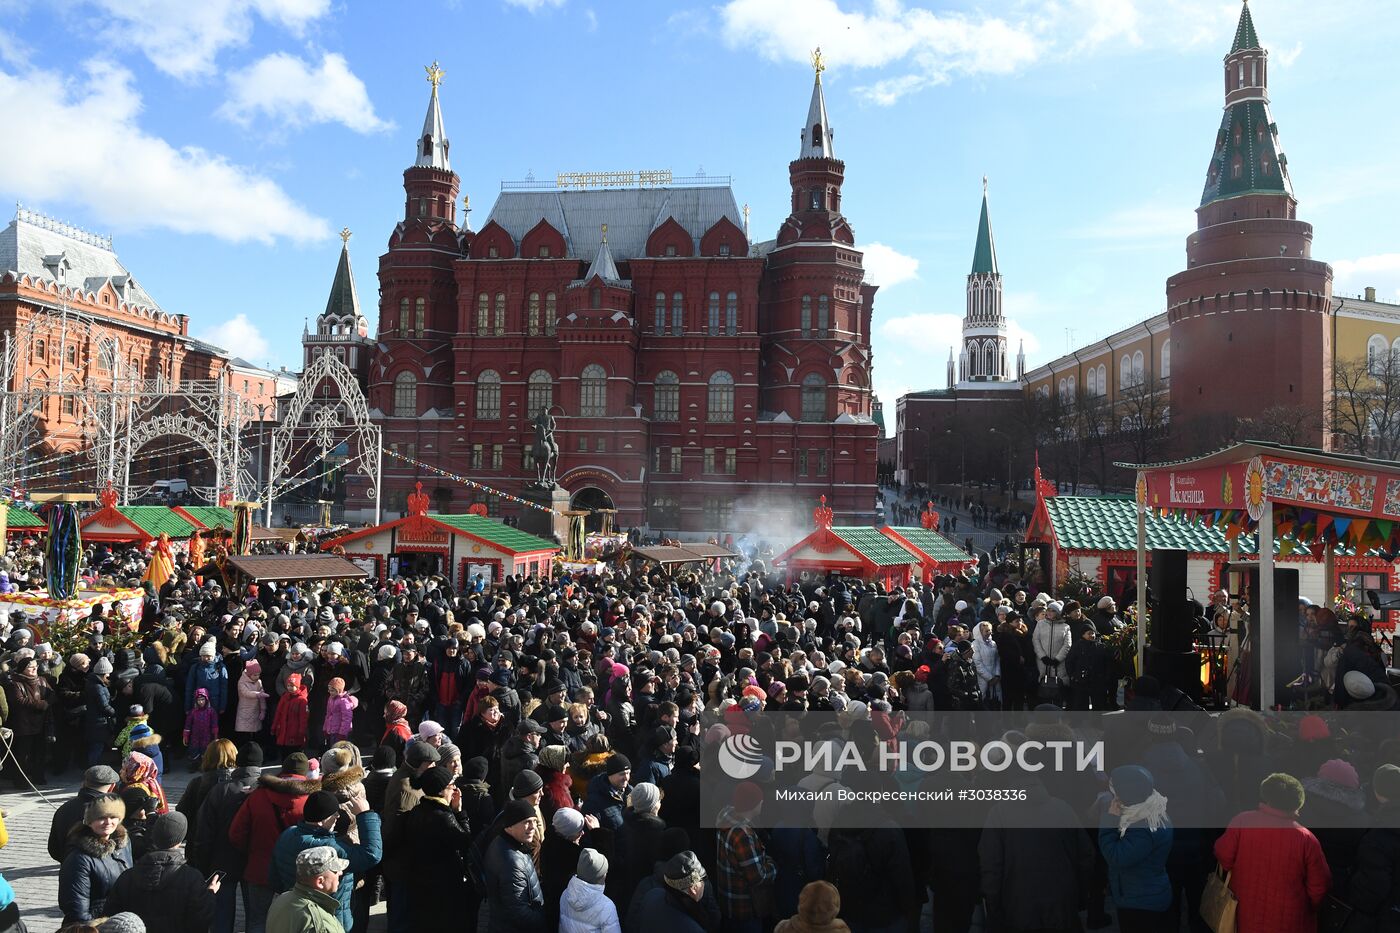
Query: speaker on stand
x,y
1171,655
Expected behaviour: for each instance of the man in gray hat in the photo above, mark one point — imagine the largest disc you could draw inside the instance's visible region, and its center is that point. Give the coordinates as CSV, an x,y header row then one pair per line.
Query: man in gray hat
x,y
98,781
311,904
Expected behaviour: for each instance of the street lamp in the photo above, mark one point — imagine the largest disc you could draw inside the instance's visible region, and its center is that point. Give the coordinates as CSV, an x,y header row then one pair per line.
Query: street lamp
x,y
928,441
1010,488
962,461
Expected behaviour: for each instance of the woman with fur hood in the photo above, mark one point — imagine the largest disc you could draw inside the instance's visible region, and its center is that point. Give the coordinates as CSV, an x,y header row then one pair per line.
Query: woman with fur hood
x,y
274,804
97,854
343,774
817,907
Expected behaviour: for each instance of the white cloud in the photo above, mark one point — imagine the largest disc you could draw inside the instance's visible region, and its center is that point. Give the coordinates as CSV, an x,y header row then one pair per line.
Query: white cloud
x,y
240,337
1284,58
534,6
183,37
297,93
1139,223
1353,276
887,267
927,47
592,19
126,178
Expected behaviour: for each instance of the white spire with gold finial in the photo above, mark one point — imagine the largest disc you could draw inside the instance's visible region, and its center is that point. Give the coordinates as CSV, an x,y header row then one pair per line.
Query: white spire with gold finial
x,y
816,135
433,144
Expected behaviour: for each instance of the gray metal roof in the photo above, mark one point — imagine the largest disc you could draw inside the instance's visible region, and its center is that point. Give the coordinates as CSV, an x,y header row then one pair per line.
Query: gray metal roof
x,y
89,259
817,144
630,213
603,265
434,155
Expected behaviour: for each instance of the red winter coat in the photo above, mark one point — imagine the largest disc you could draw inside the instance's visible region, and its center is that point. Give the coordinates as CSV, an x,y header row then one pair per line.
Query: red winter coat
x,y
1280,874
289,725
275,804
558,792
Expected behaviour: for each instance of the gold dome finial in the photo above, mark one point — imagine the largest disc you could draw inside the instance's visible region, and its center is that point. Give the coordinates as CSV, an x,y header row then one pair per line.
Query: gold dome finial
x,y
345,235
435,74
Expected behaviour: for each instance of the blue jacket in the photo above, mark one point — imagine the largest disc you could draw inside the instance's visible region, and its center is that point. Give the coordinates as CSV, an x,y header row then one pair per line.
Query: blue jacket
x,y
361,857
602,802
1137,864
212,676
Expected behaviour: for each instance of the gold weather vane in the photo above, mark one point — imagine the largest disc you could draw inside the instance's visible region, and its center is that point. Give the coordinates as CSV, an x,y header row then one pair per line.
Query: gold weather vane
x,y
818,63
345,235
435,74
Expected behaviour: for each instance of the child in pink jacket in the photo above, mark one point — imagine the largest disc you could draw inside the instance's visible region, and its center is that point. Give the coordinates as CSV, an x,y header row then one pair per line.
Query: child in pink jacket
x,y
340,711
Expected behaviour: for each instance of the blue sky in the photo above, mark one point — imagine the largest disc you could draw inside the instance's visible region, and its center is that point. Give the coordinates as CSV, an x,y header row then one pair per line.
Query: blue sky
x,y
223,142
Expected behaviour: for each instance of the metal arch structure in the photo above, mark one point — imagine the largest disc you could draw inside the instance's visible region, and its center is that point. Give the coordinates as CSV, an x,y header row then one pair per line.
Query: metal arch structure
x,y
118,415
325,423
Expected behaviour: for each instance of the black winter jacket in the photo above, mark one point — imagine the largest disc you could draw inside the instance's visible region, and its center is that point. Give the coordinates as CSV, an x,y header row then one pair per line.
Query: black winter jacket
x,y
438,864
89,870
69,814
211,850
1374,889
512,888
170,896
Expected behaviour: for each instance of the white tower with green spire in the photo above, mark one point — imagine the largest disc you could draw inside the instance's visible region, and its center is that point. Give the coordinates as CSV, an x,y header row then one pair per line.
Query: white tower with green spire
x,y
983,363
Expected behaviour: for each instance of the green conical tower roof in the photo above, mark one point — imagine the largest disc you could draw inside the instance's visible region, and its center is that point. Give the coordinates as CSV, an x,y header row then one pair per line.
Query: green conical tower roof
x,y
1245,36
343,300
984,257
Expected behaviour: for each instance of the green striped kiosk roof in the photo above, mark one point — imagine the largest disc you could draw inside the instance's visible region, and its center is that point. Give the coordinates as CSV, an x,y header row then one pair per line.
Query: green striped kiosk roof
x,y
488,529
880,550
157,519
16,517
210,516
1109,523
931,543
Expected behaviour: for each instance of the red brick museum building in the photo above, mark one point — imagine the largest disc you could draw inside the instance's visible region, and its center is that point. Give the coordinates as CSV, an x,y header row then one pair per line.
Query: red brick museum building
x,y
700,382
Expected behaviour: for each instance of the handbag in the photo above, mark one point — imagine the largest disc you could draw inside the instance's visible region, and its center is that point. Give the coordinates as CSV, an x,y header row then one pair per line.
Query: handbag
x,y
1049,686
1218,903
1335,915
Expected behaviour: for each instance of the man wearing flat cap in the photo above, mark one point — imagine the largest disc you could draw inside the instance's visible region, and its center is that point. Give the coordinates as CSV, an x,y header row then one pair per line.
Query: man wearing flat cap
x,y
311,905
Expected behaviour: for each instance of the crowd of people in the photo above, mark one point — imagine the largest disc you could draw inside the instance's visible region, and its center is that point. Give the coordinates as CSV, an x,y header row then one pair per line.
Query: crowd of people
x,y
527,756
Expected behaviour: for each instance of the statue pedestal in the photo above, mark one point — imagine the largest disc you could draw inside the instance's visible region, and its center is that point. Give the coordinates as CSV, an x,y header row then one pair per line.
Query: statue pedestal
x,y
551,527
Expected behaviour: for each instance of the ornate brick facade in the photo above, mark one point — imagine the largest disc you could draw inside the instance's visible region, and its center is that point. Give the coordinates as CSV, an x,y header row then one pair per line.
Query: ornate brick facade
x,y
700,382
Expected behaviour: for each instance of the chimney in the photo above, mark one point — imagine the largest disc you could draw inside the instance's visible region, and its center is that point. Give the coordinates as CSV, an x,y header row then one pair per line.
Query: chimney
x,y
1370,293
184,320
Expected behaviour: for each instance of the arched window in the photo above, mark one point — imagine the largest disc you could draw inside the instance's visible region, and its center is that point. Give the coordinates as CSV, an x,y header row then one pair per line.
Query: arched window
x,y
1139,376
1165,370
1376,349
401,325
814,398
1103,379
1071,388
550,313
593,392
405,395
41,350
500,314
533,321
483,314
731,313
1125,372
419,314
488,395
720,405
677,314
595,298
1091,382
806,315
70,356
660,313
823,316
714,314
666,405
540,393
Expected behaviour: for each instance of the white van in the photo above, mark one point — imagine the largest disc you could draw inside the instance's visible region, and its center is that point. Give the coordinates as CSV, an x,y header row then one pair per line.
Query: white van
x,y
171,490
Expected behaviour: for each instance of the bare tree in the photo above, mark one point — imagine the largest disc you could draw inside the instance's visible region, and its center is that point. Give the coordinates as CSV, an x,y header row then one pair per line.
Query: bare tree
x,y
1366,406
1093,423
1295,425
1142,412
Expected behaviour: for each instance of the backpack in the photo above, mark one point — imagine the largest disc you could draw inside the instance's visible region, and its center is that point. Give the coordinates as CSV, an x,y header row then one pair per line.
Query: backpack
x,y
847,865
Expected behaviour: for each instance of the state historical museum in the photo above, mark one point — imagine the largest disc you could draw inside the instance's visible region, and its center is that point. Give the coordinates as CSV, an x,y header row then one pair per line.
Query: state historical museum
x,y
700,382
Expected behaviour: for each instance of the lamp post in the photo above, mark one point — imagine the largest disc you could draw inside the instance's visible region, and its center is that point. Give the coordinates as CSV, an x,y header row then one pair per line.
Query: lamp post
x,y
1010,487
962,462
928,452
